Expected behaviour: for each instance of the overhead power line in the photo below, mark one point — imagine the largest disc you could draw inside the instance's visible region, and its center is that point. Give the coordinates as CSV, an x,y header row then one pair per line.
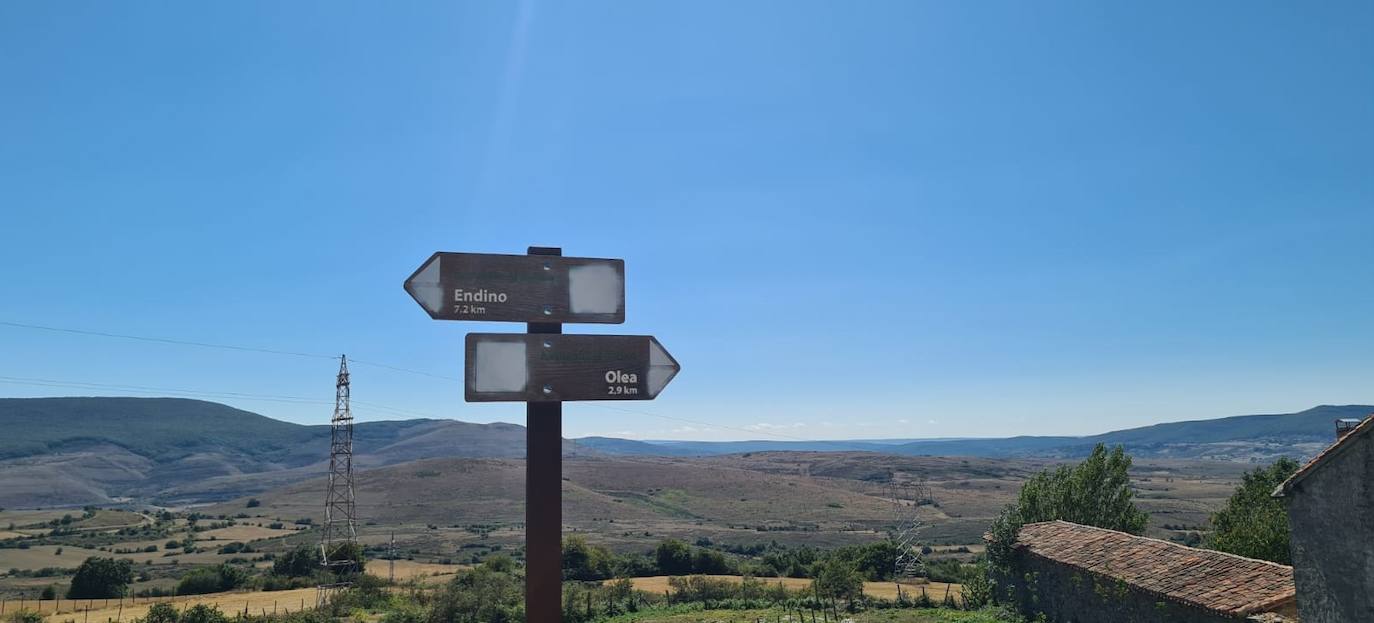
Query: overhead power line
x,y
233,347
272,351
143,338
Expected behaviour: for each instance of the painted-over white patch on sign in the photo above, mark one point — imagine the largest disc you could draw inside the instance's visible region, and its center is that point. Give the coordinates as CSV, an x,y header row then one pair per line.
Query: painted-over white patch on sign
x,y
425,289
499,366
594,289
662,367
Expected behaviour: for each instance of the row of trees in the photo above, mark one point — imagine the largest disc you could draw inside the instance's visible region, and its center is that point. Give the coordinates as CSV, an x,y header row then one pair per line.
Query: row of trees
x,y
587,562
108,578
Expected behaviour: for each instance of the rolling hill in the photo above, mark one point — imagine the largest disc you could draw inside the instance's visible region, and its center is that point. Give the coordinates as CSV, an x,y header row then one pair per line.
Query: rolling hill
x,y
73,451
1245,438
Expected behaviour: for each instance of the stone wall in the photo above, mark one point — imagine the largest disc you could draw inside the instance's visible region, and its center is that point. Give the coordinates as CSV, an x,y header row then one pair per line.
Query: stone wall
x,y
1331,512
1066,594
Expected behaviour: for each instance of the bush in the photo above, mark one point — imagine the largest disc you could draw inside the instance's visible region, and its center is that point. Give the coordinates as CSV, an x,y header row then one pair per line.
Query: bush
x,y
254,503
160,612
49,592
202,613
481,594
24,616
700,588
212,580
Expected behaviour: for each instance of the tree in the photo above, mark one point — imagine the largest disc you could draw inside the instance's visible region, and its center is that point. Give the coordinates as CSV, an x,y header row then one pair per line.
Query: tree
x,y
302,561
1096,492
709,562
584,562
837,578
254,503
674,557
49,592
101,578
1254,523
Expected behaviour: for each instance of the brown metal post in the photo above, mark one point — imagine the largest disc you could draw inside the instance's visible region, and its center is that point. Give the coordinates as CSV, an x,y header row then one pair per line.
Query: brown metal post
x,y
543,497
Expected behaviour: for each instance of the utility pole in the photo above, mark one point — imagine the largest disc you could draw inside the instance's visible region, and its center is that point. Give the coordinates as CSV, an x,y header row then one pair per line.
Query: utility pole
x,y
391,560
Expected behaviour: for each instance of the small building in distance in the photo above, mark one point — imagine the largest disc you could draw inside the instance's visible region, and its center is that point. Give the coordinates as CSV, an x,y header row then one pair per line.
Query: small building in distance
x,y
1071,572
1331,513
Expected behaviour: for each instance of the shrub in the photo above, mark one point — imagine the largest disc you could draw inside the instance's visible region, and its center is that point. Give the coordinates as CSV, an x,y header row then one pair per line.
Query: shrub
x,y
24,616
212,580
254,503
160,612
202,613
480,594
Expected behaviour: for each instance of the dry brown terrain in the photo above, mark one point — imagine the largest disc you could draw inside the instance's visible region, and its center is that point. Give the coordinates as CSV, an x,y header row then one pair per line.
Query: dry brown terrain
x,y
799,498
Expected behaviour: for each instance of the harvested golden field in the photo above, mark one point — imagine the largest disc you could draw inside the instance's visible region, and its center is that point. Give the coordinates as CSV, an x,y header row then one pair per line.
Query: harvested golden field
x,y
40,556
413,570
882,590
58,611
242,533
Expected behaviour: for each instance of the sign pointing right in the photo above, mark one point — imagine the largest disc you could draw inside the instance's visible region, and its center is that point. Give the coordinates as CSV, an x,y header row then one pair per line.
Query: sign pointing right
x,y
514,367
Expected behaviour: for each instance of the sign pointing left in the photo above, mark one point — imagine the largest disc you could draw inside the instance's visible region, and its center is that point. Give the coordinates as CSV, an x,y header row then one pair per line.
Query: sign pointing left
x,y
520,288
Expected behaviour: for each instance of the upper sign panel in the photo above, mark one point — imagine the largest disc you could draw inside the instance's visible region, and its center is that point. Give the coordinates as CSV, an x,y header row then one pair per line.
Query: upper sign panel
x,y
520,288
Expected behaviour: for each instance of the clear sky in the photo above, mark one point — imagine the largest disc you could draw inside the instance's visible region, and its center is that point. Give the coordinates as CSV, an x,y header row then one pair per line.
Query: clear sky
x,y
846,220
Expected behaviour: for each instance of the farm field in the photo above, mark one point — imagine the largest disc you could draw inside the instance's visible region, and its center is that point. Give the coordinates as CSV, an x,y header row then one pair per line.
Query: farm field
x,y
59,611
243,532
774,615
882,590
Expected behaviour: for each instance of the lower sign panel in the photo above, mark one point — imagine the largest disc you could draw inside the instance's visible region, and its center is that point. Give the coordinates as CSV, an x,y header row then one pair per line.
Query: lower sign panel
x,y
519,367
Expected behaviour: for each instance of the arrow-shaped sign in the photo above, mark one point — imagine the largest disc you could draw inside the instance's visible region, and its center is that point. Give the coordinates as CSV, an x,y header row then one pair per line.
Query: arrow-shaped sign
x,y
506,367
520,288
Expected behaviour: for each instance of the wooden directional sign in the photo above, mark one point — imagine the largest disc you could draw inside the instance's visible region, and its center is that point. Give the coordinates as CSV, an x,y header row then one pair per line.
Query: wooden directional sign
x,y
506,367
520,288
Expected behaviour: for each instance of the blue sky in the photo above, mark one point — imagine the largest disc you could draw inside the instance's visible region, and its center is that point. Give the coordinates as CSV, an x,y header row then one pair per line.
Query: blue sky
x,y
906,219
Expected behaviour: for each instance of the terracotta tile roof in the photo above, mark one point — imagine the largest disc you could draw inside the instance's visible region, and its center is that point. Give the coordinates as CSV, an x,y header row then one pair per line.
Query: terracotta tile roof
x,y
1214,581
1344,442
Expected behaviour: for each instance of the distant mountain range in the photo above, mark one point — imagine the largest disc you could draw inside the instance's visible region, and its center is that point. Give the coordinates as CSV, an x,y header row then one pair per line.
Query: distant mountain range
x,y
1239,438
65,451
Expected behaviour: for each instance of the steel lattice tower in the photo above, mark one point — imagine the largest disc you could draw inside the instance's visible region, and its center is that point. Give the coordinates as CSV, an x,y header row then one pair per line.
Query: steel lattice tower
x,y
907,498
338,542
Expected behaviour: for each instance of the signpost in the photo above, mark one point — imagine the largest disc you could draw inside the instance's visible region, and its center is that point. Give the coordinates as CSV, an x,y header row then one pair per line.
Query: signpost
x,y
520,288
554,368
542,368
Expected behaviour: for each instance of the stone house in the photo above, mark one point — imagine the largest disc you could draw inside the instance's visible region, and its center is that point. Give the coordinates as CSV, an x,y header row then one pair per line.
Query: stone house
x,y
1331,512
1081,574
